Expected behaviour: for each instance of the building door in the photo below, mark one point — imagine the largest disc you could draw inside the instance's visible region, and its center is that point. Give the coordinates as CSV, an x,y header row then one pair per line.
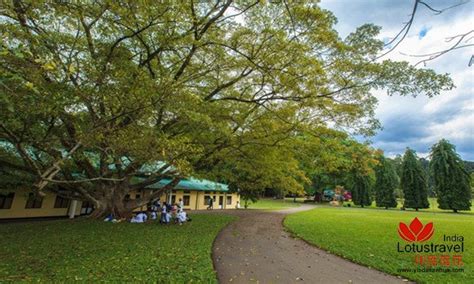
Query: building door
x,y
221,202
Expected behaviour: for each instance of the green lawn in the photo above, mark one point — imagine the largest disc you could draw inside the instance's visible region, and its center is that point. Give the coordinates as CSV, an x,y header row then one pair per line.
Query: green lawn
x,y
273,204
370,237
86,250
433,206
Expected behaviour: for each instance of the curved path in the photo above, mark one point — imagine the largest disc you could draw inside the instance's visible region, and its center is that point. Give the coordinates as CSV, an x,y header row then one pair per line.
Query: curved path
x,y
256,248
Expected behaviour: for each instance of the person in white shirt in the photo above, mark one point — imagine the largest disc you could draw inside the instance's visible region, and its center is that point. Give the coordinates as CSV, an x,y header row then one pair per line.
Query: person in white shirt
x,y
180,204
163,219
139,218
182,217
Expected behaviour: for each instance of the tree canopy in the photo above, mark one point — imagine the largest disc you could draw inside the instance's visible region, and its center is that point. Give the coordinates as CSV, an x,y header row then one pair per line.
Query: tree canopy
x,y
93,95
451,180
413,182
386,181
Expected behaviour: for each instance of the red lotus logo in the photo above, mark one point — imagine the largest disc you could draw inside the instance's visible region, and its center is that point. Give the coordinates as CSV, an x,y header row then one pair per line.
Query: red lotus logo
x,y
416,232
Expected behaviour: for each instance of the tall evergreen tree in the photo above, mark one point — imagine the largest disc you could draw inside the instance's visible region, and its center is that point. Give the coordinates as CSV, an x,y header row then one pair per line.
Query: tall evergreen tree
x,y
413,182
451,180
425,164
361,190
397,163
385,184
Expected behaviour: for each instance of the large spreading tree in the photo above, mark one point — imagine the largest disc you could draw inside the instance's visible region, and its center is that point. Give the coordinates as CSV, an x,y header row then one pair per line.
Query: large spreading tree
x,y
451,180
413,182
105,97
386,181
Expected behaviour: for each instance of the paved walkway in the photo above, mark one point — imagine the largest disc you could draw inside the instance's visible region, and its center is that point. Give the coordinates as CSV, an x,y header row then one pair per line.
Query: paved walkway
x,y
257,249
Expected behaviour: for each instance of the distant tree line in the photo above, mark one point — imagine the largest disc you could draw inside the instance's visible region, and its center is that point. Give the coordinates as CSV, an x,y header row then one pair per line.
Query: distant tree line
x,y
445,176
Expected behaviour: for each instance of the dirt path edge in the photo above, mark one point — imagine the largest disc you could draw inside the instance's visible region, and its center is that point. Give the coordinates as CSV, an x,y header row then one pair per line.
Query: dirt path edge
x,y
295,236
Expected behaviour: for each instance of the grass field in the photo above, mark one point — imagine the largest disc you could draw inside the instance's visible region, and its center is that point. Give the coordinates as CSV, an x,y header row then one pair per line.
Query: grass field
x,y
85,250
433,206
273,204
369,237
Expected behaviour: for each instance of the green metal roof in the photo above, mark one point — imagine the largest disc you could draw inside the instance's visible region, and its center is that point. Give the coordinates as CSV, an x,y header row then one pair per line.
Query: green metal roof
x,y
184,184
192,184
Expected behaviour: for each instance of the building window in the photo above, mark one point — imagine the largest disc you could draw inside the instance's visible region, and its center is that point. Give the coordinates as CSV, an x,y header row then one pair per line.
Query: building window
x,y
138,196
173,199
186,200
34,201
206,199
61,202
6,200
229,200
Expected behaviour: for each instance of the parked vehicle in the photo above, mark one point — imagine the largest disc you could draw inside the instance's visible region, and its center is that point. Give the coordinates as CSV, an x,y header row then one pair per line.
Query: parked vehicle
x,y
328,195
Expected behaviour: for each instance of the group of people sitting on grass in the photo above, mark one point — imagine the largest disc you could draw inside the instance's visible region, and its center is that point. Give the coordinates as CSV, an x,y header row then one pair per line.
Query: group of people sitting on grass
x,y
168,214
171,213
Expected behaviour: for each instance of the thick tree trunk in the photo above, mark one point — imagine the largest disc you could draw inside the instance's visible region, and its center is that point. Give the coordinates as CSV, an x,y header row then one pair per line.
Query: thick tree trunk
x,y
114,206
117,209
112,202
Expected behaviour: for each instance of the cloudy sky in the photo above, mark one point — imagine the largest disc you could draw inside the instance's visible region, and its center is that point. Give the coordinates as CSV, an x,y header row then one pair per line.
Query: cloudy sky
x,y
420,122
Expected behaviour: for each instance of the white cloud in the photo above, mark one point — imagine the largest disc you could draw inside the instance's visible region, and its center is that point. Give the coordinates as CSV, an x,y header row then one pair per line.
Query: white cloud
x,y
420,122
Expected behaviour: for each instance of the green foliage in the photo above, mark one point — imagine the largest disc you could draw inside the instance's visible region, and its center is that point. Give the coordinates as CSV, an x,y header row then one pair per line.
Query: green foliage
x,y
397,163
432,209
413,182
469,165
92,251
332,159
360,189
472,183
370,237
386,181
12,176
273,204
359,177
190,84
425,164
451,180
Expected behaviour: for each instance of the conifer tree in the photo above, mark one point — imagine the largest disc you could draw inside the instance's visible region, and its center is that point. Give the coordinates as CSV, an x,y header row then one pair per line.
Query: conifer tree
x,y
413,182
385,184
451,180
361,190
